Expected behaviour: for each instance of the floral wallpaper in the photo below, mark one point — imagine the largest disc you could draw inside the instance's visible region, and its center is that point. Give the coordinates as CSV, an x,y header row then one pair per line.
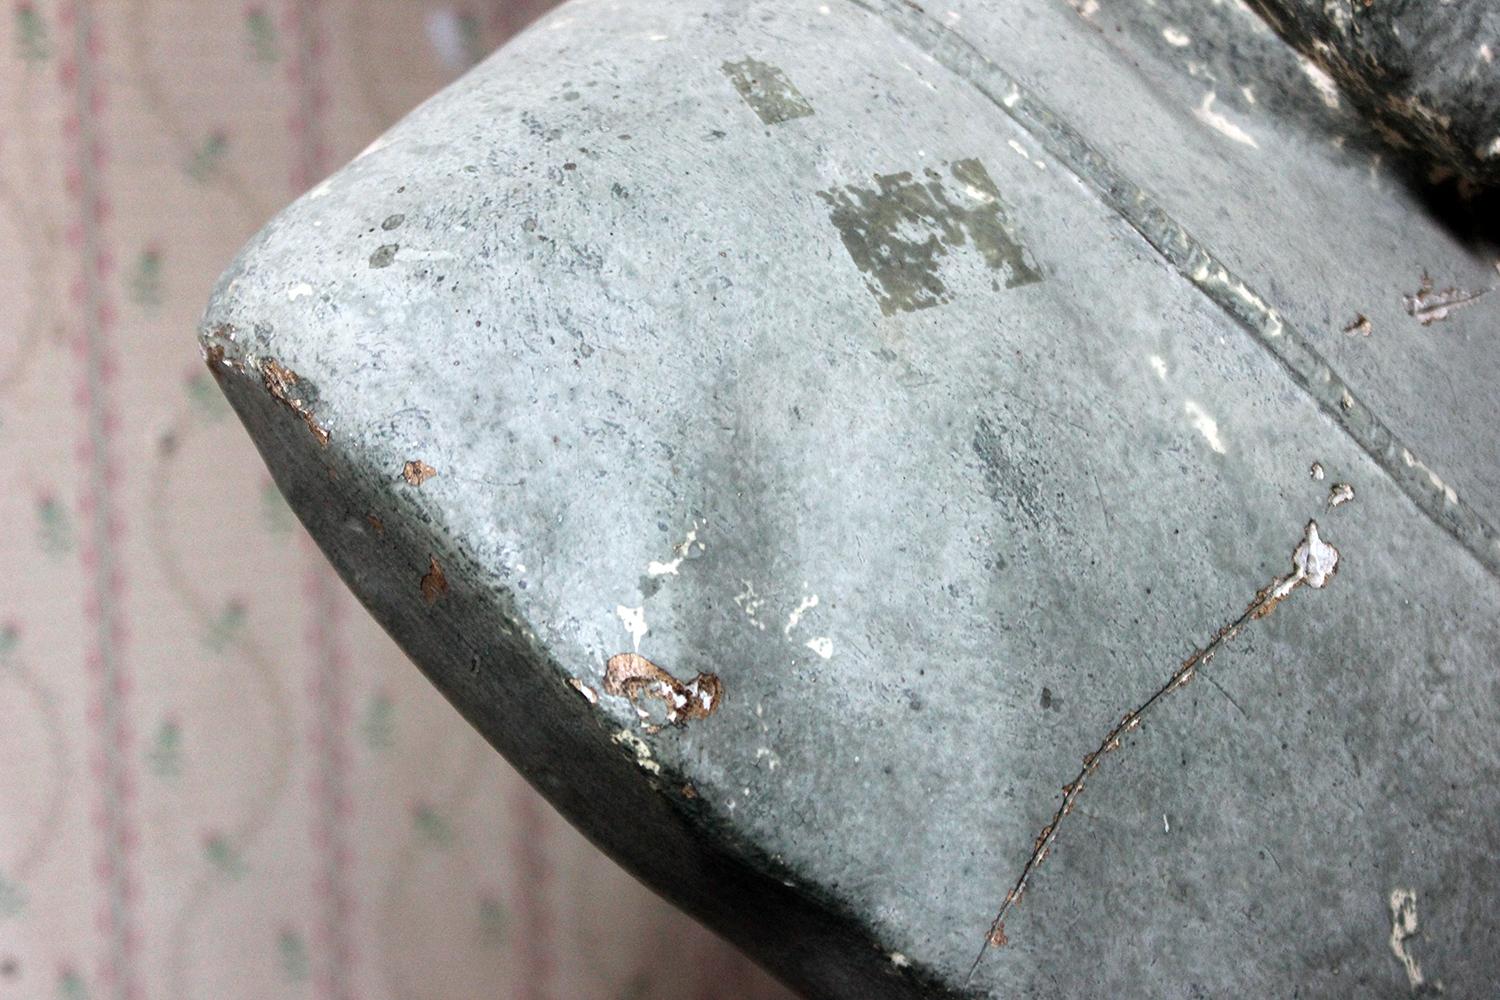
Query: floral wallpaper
x,y
218,778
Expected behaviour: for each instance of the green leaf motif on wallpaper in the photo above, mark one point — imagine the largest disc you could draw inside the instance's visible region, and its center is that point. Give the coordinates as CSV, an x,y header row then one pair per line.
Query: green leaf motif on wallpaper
x,y
493,921
296,964
378,726
262,32
70,986
205,161
638,987
226,628
55,525
12,898
223,855
207,401
145,282
275,512
32,43
432,826
165,756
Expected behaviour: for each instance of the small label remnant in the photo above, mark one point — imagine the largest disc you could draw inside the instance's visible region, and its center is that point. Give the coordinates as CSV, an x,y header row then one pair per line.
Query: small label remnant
x,y
434,583
632,676
1341,493
1403,929
767,90
904,230
1428,305
416,472
281,382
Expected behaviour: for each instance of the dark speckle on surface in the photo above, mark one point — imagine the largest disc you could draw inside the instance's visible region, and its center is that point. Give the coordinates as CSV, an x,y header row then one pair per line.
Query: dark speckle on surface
x,y
383,256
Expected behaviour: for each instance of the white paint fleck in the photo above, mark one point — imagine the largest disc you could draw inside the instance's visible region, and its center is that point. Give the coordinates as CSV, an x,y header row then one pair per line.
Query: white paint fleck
x,y
824,9
634,620
589,694
772,762
822,645
1010,99
1165,826
802,608
1013,144
679,553
1403,929
1486,54
1204,424
1316,471
1176,37
1206,114
1321,81
301,290
1341,493
750,603
1249,94
1159,365
899,960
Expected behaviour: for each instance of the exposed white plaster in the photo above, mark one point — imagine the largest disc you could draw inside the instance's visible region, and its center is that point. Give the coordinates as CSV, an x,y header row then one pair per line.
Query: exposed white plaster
x,y
1205,425
634,620
1206,114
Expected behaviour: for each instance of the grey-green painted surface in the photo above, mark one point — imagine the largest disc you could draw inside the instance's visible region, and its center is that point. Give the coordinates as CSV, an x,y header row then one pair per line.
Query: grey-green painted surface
x,y
941,423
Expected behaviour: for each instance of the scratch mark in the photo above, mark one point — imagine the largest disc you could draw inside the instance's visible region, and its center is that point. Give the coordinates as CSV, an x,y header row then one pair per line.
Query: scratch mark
x,y
1314,563
1427,305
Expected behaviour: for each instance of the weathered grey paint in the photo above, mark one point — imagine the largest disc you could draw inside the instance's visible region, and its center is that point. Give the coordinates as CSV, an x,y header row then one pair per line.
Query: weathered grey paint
x,y
932,527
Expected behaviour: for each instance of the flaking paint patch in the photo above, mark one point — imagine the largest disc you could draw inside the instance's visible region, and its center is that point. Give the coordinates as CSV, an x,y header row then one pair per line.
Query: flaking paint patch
x,y
767,90
631,675
902,231
1159,365
822,645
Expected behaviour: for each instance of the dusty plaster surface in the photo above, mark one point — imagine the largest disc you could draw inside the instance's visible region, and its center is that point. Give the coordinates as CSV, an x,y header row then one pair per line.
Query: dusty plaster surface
x,y
620,309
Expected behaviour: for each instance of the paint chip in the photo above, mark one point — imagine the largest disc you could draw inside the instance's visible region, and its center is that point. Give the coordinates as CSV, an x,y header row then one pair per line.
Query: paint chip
x,y
1359,325
632,676
589,694
434,583
416,472
1341,493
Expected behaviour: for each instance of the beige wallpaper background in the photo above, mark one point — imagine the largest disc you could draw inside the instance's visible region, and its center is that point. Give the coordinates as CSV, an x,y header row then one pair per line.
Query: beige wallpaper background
x,y
218,778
